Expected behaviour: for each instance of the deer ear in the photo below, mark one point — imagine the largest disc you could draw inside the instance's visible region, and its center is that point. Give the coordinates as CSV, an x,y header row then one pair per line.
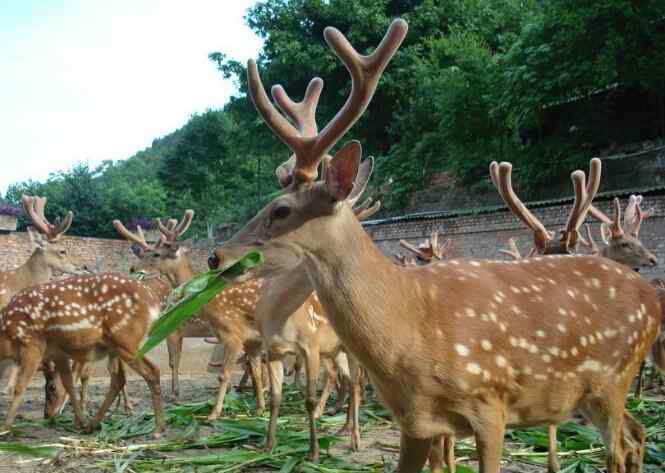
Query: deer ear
x,y
342,170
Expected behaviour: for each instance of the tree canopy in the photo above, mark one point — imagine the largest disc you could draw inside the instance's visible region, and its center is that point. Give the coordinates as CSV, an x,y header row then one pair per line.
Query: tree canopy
x,y
538,83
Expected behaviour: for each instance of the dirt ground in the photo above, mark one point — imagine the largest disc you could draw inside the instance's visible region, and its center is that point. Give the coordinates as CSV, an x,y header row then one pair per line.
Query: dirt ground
x,y
380,442
380,438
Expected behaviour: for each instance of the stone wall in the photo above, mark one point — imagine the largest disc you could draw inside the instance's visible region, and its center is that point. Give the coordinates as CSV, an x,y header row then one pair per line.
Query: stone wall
x,y
98,254
482,235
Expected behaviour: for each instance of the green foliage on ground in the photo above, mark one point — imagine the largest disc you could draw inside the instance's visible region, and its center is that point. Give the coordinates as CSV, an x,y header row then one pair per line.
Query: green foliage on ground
x,y
536,83
235,442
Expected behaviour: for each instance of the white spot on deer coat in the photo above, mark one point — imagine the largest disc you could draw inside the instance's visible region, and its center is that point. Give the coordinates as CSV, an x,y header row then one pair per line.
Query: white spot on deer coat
x,y
461,349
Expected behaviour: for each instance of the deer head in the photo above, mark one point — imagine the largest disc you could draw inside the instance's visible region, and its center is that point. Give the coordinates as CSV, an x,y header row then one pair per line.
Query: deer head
x,y
309,207
46,238
430,250
166,256
621,241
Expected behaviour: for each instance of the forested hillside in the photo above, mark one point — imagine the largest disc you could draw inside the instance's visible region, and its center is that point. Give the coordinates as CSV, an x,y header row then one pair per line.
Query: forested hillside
x,y
542,84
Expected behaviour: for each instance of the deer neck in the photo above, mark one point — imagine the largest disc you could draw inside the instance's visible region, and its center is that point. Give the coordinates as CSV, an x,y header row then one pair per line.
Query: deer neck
x,y
33,272
360,290
181,273
282,295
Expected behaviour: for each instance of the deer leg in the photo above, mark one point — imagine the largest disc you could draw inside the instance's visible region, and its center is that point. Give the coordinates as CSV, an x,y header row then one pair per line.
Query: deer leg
x,y
635,440
489,427
331,378
116,384
65,371
276,373
11,372
640,381
552,450
150,373
412,454
244,380
174,346
254,360
114,364
30,360
82,373
232,348
312,367
607,415
436,455
342,364
353,411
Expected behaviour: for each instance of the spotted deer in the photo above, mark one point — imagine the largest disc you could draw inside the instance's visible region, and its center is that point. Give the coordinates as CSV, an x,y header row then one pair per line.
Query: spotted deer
x,y
622,247
195,327
230,316
463,347
80,318
48,255
443,447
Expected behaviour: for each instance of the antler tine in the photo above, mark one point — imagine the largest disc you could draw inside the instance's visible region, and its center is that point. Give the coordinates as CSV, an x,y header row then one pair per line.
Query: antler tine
x,y
368,212
417,251
615,226
136,238
29,208
184,223
34,206
590,242
630,212
303,113
501,176
584,195
365,73
512,250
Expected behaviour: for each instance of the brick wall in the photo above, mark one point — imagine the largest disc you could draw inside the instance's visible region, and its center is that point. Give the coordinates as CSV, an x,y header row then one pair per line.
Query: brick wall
x,y
483,234
98,254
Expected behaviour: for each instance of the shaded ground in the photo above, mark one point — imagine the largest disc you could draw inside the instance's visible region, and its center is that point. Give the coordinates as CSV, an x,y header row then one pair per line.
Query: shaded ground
x,y
125,443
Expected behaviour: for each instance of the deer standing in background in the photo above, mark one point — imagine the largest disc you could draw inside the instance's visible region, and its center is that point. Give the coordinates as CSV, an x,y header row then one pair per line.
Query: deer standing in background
x,y
195,327
48,255
56,403
464,347
230,315
82,318
621,246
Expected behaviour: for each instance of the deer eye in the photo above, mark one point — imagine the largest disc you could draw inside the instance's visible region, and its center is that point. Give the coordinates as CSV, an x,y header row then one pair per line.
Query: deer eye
x,y
62,252
625,244
281,212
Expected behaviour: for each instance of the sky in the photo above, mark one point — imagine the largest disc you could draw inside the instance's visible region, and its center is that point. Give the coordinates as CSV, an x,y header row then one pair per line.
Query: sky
x,y
86,81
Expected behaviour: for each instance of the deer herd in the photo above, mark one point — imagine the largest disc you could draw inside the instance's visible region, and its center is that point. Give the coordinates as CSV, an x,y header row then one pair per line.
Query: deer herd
x,y
453,347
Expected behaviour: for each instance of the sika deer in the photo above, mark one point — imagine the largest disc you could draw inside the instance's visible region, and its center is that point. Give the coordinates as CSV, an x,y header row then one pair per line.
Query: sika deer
x,y
465,347
48,255
80,318
625,249
195,327
305,332
230,315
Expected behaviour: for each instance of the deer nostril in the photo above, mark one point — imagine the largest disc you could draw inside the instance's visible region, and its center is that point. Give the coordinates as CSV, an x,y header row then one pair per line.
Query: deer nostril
x,y
132,269
213,262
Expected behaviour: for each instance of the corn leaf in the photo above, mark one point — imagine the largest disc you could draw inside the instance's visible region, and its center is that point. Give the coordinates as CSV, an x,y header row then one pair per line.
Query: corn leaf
x,y
193,296
22,449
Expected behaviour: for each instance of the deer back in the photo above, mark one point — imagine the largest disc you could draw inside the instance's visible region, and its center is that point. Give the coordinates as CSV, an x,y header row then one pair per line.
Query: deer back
x,y
76,314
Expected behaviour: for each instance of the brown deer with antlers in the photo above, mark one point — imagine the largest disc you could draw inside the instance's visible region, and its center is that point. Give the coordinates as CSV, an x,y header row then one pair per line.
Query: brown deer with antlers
x,y
48,255
230,315
81,319
621,246
196,327
464,347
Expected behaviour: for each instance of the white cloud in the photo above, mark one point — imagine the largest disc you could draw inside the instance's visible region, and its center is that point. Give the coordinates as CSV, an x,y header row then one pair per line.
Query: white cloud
x,y
100,80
